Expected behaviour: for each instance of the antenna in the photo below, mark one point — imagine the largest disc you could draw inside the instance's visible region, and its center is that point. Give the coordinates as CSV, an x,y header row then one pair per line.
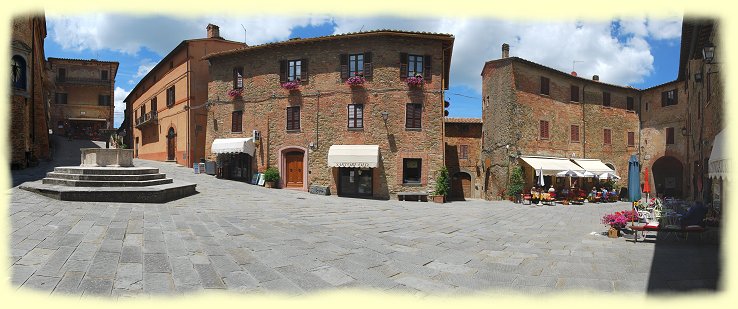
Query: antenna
x,y
244,34
573,63
362,28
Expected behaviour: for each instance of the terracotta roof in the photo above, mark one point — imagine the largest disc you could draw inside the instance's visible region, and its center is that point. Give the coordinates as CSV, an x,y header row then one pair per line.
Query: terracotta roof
x,y
463,120
81,60
332,37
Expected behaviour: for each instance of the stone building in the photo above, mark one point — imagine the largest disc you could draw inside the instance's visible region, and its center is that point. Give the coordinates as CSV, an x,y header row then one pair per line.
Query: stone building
x,y
463,144
165,111
535,113
375,139
28,114
82,97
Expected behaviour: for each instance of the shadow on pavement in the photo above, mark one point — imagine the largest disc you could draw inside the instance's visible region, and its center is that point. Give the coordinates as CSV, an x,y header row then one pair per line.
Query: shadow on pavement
x,y
63,152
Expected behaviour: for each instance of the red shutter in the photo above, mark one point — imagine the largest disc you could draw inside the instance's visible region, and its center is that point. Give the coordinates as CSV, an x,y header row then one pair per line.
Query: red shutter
x,y
403,65
344,66
427,68
368,67
282,71
631,138
304,71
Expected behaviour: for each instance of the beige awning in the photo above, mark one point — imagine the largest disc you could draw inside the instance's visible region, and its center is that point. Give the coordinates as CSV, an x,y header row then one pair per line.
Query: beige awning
x,y
594,166
353,156
233,145
717,166
551,165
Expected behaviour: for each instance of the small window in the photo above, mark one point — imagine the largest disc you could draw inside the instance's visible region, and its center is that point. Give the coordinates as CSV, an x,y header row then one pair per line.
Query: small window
x,y
574,133
18,72
356,64
543,129
60,98
669,98
630,104
237,121
170,96
414,65
237,78
411,170
294,70
605,99
356,115
293,118
103,100
464,152
574,93
154,108
104,75
607,136
544,85
670,136
62,75
631,139
413,116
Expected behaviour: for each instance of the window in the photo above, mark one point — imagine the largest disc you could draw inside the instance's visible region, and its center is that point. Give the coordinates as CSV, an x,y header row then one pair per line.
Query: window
x,y
605,99
103,100
669,98
237,121
413,115
60,98
464,152
237,78
62,75
356,64
414,65
630,105
544,85
104,75
356,115
574,133
543,129
574,93
631,139
670,136
18,72
154,108
170,96
411,170
294,70
607,136
293,118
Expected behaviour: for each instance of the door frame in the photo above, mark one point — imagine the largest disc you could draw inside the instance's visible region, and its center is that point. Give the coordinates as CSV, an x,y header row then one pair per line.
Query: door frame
x,y
283,166
173,138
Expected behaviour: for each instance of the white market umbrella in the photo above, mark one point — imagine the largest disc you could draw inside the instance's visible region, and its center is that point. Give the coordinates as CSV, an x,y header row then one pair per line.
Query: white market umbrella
x,y
568,173
540,183
608,175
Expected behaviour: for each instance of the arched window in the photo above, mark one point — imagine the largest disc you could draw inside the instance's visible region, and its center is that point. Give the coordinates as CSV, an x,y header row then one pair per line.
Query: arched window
x,y
18,73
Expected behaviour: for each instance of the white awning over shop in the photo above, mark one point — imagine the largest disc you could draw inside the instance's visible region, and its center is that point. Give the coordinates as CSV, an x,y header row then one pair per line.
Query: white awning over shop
x,y
551,165
233,145
718,164
353,156
594,166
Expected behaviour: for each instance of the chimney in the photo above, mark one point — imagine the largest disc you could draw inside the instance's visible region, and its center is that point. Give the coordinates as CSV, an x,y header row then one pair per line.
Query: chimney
x,y
596,78
573,73
505,50
213,32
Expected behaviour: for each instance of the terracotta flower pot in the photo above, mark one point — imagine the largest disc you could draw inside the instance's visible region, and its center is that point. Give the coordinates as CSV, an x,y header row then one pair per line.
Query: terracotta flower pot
x,y
613,232
439,198
269,184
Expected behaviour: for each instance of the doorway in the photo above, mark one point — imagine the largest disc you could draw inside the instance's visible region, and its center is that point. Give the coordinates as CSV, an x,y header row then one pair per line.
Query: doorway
x,y
461,186
294,169
171,144
354,181
667,176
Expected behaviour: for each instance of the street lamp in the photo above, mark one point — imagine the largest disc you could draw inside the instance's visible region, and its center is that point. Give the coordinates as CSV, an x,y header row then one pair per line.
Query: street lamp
x,y
708,52
385,115
685,132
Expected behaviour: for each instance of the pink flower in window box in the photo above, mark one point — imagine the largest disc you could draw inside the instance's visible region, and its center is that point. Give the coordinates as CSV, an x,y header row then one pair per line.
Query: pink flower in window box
x,y
291,85
356,81
415,81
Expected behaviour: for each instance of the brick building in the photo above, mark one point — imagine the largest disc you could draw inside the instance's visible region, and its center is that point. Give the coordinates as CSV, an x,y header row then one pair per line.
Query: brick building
x,y
28,114
463,145
166,111
373,140
82,97
530,110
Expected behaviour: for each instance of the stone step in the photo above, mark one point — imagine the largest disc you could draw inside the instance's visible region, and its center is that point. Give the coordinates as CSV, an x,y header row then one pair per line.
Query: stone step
x,y
106,170
94,177
96,184
152,194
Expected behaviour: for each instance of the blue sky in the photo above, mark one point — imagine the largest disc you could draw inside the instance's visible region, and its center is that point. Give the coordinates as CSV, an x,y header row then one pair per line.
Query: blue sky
x,y
639,52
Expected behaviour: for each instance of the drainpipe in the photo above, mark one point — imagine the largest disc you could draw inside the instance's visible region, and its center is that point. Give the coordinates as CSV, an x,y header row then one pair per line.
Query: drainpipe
x,y
584,124
187,107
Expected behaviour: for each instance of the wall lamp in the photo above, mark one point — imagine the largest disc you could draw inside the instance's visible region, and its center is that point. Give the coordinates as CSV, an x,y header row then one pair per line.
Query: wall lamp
x,y
708,52
685,132
385,115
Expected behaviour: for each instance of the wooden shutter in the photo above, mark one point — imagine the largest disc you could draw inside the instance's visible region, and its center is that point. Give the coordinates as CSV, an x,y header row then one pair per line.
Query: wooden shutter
x,y
631,138
351,118
544,85
663,98
427,68
674,102
283,71
574,133
304,71
669,136
368,67
344,66
630,104
289,118
418,115
403,65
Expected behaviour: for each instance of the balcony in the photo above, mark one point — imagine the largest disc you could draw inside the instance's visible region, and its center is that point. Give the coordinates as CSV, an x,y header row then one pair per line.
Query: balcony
x,y
83,81
146,119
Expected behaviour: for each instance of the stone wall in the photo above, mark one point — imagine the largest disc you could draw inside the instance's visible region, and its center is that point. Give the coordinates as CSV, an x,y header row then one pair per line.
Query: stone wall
x,y
469,134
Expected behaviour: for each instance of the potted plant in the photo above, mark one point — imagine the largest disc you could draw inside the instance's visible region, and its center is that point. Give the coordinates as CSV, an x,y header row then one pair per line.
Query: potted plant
x,y
618,220
515,188
291,85
271,177
357,80
442,186
415,81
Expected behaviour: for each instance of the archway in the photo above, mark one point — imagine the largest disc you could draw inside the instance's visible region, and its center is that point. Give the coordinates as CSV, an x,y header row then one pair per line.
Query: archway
x,y
461,185
171,144
668,176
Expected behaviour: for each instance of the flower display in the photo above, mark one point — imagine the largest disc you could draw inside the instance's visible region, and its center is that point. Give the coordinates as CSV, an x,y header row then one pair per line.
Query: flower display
x,y
233,93
357,80
416,81
619,219
291,85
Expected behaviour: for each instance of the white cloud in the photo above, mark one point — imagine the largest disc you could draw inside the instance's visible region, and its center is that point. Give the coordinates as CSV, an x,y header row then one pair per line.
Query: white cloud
x,y
120,106
144,68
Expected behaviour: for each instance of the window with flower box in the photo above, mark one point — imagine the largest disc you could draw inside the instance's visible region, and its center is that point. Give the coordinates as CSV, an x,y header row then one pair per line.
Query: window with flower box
x,y
293,70
607,138
237,78
414,65
543,129
413,116
355,116
356,65
293,118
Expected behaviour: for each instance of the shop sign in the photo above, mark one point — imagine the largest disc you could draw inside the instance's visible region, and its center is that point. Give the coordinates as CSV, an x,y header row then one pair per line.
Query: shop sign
x,y
352,164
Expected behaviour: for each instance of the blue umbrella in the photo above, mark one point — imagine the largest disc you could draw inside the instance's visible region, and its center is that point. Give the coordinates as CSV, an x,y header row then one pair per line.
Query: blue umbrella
x,y
634,179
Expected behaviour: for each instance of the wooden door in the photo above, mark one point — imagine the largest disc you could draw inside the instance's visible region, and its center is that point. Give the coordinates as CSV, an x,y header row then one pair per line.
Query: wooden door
x,y
466,184
460,186
293,164
171,144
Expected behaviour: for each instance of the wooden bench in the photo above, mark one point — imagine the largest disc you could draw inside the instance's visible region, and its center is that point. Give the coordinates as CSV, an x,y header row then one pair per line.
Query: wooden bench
x,y
413,196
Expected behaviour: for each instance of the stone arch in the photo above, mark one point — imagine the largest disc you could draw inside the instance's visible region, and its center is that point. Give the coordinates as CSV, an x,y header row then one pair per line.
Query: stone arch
x,y
460,189
283,165
668,176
